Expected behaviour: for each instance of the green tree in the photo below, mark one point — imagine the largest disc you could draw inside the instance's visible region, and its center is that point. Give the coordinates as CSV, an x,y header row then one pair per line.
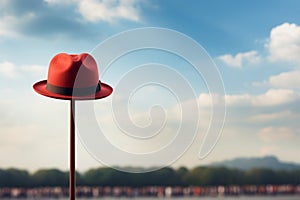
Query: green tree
x,y
261,176
294,177
14,178
50,177
98,177
204,176
195,176
162,177
180,174
79,179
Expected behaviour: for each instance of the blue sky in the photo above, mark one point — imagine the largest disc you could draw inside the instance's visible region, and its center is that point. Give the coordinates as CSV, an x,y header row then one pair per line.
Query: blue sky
x,y
255,45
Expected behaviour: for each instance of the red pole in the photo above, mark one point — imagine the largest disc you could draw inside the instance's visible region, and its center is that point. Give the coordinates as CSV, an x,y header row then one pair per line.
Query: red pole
x,y
72,151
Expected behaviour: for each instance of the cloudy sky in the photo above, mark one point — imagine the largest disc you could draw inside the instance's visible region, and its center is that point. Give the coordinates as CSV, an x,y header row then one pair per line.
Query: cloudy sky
x,y
254,44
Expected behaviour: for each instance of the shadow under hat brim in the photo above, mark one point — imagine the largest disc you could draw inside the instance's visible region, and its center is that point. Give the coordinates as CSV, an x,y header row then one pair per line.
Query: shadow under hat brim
x,y
40,87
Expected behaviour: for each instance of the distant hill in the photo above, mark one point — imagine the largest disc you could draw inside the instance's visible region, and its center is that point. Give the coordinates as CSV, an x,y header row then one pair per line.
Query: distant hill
x,y
270,162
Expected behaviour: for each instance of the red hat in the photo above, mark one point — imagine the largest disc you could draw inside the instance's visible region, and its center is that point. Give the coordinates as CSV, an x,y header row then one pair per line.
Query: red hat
x,y
73,77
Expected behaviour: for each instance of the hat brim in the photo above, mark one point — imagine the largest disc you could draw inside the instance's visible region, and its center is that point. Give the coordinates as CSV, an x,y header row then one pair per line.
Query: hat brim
x,y
40,87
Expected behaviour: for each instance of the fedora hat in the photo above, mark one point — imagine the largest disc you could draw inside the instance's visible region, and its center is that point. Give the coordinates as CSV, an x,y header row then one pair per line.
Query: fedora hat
x,y
72,76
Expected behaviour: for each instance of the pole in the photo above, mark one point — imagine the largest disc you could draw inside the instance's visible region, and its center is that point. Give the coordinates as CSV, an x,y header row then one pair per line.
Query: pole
x,y
72,151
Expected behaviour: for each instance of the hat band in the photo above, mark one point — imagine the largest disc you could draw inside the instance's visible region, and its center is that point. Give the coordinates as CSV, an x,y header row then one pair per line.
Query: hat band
x,y
73,91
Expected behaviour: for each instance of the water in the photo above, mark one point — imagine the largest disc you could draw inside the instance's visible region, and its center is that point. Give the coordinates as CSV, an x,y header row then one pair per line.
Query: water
x,y
285,197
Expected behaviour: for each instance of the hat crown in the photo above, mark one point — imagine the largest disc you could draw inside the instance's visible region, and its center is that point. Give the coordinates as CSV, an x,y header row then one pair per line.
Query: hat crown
x,y
73,77
73,71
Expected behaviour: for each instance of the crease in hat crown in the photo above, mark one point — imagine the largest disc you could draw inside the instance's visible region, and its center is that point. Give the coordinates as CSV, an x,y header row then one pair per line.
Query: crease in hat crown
x,y
73,71
73,76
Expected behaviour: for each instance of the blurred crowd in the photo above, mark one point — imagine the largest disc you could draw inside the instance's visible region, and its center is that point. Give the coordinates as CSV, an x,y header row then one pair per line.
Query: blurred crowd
x,y
153,191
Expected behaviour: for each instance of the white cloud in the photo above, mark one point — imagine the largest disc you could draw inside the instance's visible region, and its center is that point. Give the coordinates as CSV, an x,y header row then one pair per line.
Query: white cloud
x,y
109,10
8,69
37,70
271,116
274,134
205,100
3,2
239,99
286,80
7,26
270,150
240,59
284,43
103,10
32,21
272,97
55,2
275,97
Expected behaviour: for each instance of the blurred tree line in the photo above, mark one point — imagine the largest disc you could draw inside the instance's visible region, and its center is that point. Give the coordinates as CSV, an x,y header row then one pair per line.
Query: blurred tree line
x,y
199,176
